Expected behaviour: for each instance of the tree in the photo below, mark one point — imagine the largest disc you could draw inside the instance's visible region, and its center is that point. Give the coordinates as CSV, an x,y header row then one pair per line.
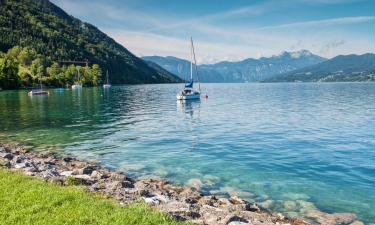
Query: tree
x,y
96,74
8,73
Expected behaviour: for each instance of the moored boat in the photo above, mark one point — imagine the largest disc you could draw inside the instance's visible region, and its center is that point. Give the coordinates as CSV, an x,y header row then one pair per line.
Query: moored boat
x,y
189,93
107,84
78,84
38,92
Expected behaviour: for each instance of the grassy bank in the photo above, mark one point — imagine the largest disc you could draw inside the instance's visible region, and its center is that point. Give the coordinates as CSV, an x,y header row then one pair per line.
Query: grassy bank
x,y
27,200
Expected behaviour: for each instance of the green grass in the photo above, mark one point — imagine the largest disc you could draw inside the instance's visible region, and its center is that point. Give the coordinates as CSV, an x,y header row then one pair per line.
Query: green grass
x,y
28,200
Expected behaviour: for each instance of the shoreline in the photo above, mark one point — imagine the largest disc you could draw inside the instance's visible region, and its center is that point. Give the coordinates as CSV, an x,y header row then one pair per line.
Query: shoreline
x,y
182,202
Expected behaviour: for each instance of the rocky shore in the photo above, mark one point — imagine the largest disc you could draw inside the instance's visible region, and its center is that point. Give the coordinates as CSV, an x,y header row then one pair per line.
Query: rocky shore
x,y
184,203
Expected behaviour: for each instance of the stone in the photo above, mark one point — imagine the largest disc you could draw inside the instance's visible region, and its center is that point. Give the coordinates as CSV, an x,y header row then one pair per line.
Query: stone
x,y
252,207
237,219
237,223
194,183
6,155
280,216
47,174
235,200
289,205
357,222
19,159
114,185
344,218
82,177
68,159
66,173
266,204
5,163
117,177
96,175
20,165
32,169
176,206
127,184
87,170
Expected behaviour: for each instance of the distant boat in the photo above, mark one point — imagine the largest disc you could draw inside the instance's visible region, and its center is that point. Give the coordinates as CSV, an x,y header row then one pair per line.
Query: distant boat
x,y
38,91
59,90
77,85
189,93
107,84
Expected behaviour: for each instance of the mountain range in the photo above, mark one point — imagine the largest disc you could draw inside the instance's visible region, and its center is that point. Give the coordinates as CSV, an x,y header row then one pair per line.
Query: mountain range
x,y
41,25
299,66
248,70
346,68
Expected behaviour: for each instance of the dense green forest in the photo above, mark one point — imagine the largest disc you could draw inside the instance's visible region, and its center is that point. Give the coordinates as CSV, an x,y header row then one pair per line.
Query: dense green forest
x,y
23,67
44,27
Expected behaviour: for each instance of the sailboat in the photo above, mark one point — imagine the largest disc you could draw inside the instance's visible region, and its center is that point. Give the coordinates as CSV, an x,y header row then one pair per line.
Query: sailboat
x,y
189,93
107,84
38,91
77,85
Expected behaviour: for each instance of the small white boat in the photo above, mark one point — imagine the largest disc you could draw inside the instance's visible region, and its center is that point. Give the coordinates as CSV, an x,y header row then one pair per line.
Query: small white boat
x,y
78,84
189,93
107,84
38,91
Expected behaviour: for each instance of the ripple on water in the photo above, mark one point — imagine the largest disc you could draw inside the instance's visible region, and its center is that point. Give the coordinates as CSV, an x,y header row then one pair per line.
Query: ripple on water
x,y
310,144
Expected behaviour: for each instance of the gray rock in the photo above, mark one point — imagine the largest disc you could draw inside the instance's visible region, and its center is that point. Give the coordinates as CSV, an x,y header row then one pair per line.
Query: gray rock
x,y
96,175
357,222
87,170
19,159
235,200
82,177
66,173
155,200
19,165
237,223
6,155
237,219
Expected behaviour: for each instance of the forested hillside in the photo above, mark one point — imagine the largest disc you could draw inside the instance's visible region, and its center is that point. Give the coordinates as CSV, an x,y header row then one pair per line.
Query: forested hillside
x,y
343,68
23,68
44,27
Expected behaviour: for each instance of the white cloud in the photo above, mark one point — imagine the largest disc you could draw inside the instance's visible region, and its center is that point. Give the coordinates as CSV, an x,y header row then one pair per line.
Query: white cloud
x,y
325,22
156,34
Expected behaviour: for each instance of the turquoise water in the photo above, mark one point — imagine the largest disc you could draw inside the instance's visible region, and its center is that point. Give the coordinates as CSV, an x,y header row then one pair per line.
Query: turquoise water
x,y
293,146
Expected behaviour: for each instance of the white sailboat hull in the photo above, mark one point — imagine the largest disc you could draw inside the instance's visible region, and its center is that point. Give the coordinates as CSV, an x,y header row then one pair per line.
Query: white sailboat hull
x,y
76,86
106,85
191,96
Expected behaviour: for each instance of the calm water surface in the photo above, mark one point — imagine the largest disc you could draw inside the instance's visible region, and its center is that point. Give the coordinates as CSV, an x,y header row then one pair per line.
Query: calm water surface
x,y
294,146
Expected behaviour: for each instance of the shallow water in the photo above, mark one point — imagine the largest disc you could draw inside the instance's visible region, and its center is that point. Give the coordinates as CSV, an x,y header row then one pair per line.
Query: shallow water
x,y
293,146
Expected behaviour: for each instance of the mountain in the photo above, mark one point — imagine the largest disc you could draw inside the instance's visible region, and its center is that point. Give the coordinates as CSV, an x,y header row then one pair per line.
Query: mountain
x,y
41,25
341,68
248,70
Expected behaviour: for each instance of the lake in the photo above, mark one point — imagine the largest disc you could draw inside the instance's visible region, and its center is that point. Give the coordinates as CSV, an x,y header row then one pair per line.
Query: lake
x,y
293,146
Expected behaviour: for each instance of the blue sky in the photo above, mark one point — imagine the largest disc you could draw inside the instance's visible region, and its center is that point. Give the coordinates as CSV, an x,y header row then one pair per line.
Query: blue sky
x,y
232,29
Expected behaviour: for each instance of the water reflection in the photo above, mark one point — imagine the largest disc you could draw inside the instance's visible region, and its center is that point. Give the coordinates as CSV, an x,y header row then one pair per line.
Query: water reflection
x,y
190,107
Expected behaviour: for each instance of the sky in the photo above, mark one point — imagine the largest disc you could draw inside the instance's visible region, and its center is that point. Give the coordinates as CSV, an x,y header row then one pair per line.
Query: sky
x,y
232,30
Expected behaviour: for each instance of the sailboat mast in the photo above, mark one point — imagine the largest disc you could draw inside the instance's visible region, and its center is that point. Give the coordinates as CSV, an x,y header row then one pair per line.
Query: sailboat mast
x,y
195,62
40,82
107,77
191,59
